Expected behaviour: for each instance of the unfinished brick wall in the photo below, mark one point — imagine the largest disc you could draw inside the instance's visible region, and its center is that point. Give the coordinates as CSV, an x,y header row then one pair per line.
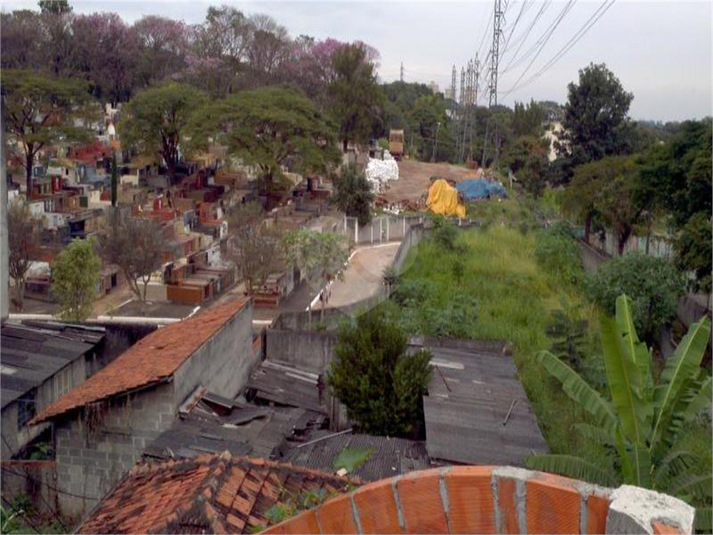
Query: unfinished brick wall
x,y
486,499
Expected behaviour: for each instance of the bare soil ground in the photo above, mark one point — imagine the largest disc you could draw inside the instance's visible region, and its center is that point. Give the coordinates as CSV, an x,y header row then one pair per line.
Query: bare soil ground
x,y
415,178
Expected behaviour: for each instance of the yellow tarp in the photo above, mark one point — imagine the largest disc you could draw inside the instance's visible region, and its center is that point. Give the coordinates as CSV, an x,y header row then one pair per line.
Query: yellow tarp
x,y
443,199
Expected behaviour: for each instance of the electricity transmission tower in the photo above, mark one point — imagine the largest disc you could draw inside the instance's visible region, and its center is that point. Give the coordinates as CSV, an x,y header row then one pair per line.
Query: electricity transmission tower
x,y
498,21
453,83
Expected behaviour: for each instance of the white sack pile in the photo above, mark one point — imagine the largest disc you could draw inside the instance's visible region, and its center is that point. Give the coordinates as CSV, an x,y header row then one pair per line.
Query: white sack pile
x,y
379,172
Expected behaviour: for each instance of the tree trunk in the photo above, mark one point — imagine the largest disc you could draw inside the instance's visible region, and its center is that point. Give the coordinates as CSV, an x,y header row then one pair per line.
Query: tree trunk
x,y
623,238
588,227
28,171
345,144
19,294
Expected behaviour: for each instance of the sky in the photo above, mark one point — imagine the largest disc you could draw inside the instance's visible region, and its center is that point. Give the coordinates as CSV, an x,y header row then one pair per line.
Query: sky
x,y
660,51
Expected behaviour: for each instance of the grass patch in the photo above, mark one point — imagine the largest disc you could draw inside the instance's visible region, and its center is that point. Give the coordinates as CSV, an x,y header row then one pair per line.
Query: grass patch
x,y
512,297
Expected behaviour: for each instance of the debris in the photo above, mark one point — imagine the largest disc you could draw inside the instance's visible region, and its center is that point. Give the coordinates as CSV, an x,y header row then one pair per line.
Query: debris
x,y
379,172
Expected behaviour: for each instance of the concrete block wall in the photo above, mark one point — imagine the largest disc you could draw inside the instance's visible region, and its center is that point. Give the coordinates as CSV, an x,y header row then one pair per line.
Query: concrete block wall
x,y
223,364
91,463
311,351
487,499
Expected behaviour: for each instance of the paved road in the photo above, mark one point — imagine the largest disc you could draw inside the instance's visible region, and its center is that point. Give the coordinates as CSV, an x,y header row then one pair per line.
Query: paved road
x,y
363,277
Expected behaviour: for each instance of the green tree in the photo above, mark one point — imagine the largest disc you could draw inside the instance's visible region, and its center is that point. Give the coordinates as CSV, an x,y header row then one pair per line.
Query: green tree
x,y
641,424
595,122
694,250
270,128
55,7
136,245
154,121
653,284
75,277
353,94
22,231
320,257
40,111
380,384
610,189
353,195
527,119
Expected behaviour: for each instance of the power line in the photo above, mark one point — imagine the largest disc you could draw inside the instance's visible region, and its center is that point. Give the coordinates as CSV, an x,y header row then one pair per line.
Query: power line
x,y
599,13
537,47
561,16
523,38
512,30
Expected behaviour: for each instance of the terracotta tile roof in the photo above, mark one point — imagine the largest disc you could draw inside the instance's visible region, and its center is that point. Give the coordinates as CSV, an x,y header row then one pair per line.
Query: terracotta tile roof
x,y
209,494
151,360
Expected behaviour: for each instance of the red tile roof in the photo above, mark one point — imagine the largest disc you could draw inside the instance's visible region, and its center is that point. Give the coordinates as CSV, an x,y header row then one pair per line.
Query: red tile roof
x,y
151,360
209,494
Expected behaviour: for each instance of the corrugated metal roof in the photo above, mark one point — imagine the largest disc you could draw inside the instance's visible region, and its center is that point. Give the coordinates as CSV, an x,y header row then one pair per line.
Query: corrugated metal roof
x,y
32,353
281,383
390,456
466,410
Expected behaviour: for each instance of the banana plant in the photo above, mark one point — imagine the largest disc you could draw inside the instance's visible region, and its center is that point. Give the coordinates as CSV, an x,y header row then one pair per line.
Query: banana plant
x,y
641,423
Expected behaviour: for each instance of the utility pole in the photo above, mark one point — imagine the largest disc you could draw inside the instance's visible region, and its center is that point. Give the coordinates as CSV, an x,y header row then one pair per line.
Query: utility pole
x,y
402,71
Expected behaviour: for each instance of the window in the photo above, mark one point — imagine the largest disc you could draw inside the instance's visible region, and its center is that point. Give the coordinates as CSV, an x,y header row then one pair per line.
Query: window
x,y
26,408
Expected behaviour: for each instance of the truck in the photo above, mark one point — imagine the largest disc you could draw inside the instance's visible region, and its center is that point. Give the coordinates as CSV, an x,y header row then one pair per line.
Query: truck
x,y
396,143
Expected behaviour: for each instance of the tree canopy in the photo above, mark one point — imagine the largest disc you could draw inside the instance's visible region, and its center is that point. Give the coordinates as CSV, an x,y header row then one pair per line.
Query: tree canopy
x,y
75,277
380,384
270,128
40,111
354,96
595,118
155,119
353,195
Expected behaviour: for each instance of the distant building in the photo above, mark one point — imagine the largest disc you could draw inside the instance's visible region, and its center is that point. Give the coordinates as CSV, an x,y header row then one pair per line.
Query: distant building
x,y
433,86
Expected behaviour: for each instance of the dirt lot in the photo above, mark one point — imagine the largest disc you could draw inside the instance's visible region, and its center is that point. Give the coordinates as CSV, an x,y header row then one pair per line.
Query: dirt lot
x,y
414,179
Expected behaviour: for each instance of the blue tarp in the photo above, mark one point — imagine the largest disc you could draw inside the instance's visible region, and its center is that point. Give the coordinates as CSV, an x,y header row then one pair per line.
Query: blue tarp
x,y
478,188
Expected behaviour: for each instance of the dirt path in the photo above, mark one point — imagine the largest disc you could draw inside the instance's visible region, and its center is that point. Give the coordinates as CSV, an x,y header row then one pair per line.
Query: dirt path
x,y
415,178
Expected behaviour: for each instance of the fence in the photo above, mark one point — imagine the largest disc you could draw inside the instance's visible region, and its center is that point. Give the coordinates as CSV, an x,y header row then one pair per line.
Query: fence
x,y
657,246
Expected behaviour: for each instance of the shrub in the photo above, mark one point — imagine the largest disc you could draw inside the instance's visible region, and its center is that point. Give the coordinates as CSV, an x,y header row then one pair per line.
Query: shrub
x,y
557,252
372,374
353,195
653,284
446,236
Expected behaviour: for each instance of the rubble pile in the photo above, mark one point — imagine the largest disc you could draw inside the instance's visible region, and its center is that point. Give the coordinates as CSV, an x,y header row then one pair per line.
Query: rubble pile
x,y
379,172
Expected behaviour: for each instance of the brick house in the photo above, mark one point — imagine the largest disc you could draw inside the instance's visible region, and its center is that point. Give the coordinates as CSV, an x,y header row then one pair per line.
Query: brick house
x,y
102,426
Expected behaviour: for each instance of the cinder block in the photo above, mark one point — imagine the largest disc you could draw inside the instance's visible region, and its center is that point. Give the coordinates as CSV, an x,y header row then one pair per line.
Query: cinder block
x,y
634,510
377,509
418,496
